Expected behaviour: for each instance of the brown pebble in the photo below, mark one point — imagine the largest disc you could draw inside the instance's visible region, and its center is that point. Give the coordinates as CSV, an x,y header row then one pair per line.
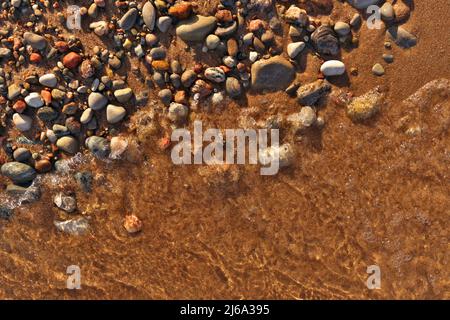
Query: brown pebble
x,y
43,165
232,47
132,224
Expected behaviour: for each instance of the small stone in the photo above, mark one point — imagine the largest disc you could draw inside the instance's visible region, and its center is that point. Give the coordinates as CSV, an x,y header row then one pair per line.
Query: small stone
x,y
86,116
21,154
195,28
18,172
97,101
22,122
402,11
389,58
387,12
37,42
365,106
129,19
19,106
215,74
181,10
232,47
233,87
166,96
68,144
293,49
43,166
342,28
362,4
47,114
178,112
87,70
99,146
332,68
115,114
48,80
72,60
34,100
164,23
158,53
77,226
64,202
378,69
212,41
297,16
188,77
275,73
13,91
123,95
132,224
309,94
401,37
149,15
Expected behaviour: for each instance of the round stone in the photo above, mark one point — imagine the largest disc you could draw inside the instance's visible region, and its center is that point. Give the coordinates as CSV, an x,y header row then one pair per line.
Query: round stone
x,y
18,172
378,69
34,100
99,146
67,144
86,116
342,28
21,154
233,87
97,101
293,49
166,96
149,15
332,68
212,41
48,80
22,122
115,114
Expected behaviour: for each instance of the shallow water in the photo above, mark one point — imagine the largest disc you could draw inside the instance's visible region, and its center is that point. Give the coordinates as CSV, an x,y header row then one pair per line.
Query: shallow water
x,y
357,195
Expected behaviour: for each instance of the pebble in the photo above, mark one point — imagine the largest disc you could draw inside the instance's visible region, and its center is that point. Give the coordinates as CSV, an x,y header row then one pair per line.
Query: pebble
x,y
365,106
129,19
48,80
77,226
18,172
275,73
188,77
47,114
132,224
293,49
72,60
166,96
43,166
34,100
21,154
387,12
311,93
99,146
149,15
215,74
13,91
389,58
342,28
86,116
233,87
123,95
158,53
378,69
177,112
212,41
37,42
332,68
115,114
22,122
64,202
401,37
164,23
67,144
97,101
195,28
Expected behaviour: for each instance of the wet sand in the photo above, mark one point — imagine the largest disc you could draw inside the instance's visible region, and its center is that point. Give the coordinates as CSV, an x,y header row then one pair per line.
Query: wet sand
x,y
357,195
